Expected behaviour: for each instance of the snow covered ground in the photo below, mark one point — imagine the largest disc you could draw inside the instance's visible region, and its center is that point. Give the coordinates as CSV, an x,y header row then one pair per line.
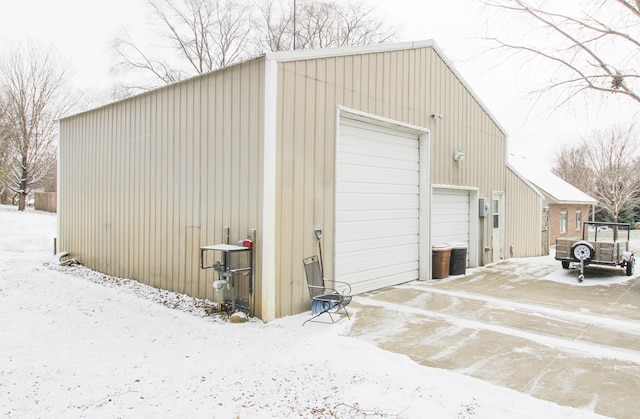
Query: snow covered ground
x,y
75,343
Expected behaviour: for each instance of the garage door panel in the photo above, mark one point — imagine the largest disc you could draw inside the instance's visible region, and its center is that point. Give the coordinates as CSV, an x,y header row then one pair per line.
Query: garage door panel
x,y
389,154
357,132
377,206
450,216
450,220
375,136
377,215
372,280
384,161
378,202
381,165
378,155
380,175
351,191
460,197
458,238
378,283
453,207
445,234
379,260
376,243
360,233
444,193
354,230
449,223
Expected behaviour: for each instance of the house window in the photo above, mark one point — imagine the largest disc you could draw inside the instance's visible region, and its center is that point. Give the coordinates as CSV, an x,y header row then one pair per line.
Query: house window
x,y
496,214
563,222
578,220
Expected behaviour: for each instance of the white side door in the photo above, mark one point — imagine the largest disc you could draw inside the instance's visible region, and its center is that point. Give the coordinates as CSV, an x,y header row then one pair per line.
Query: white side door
x,y
497,224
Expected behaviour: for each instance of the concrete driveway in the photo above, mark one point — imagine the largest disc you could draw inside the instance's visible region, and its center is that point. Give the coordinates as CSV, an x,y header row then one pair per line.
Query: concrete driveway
x,y
525,324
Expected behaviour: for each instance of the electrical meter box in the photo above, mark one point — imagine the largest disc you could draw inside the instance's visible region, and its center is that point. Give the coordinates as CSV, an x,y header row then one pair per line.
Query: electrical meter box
x,y
483,207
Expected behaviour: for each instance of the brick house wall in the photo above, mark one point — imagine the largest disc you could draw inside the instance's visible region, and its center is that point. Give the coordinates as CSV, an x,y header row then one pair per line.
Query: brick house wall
x,y
555,224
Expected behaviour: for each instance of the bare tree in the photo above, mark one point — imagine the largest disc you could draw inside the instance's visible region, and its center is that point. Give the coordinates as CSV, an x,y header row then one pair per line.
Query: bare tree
x,y
320,24
203,35
208,34
274,27
4,167
596,48
31,94
570,164
605,165
133,58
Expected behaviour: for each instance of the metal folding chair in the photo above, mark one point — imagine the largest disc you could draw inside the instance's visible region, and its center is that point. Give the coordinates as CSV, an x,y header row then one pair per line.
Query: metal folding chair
x,y
327,296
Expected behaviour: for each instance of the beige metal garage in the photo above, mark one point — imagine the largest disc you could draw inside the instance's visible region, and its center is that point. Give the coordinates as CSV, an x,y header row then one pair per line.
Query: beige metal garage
x,y
259,150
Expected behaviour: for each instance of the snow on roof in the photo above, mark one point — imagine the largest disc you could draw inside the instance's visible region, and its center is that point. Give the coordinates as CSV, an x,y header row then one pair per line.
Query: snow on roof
x,y
549,184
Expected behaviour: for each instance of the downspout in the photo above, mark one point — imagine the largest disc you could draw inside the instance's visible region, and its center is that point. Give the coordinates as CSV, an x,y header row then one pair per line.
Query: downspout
x,y
268,277
484,251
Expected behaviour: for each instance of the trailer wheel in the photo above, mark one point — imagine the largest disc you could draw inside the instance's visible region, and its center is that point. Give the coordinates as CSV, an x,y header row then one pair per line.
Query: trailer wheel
x,y
565,264
630,266
582,250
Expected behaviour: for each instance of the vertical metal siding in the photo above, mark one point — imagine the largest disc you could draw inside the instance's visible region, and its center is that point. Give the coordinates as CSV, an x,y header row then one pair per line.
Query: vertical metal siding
x,y
145,182
408,86
523,213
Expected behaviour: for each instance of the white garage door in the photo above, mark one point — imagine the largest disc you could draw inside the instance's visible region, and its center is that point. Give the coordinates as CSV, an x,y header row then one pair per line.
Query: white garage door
x,y
377,206
450,216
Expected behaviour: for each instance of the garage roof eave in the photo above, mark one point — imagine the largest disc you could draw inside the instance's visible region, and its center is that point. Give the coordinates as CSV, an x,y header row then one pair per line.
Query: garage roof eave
x,y
563,202
310,54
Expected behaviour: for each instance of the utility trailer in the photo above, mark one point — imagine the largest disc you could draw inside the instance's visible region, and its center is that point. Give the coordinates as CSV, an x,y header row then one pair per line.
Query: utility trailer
x,y
601,244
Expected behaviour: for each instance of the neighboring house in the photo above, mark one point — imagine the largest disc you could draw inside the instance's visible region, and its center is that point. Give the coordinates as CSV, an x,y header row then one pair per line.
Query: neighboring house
x,y
567,207
384,147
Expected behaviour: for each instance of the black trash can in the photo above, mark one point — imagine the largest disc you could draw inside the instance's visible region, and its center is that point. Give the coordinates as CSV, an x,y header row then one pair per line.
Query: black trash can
x,y
458,261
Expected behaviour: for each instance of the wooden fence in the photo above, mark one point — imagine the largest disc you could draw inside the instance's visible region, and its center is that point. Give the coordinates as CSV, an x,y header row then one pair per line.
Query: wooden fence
x,y
46,201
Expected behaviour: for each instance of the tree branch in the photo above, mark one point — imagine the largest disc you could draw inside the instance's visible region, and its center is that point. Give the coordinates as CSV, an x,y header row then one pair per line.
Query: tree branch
x,y
588,40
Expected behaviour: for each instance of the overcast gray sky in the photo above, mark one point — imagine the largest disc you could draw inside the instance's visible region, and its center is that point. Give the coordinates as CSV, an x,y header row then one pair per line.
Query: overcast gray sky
x,y
82,30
